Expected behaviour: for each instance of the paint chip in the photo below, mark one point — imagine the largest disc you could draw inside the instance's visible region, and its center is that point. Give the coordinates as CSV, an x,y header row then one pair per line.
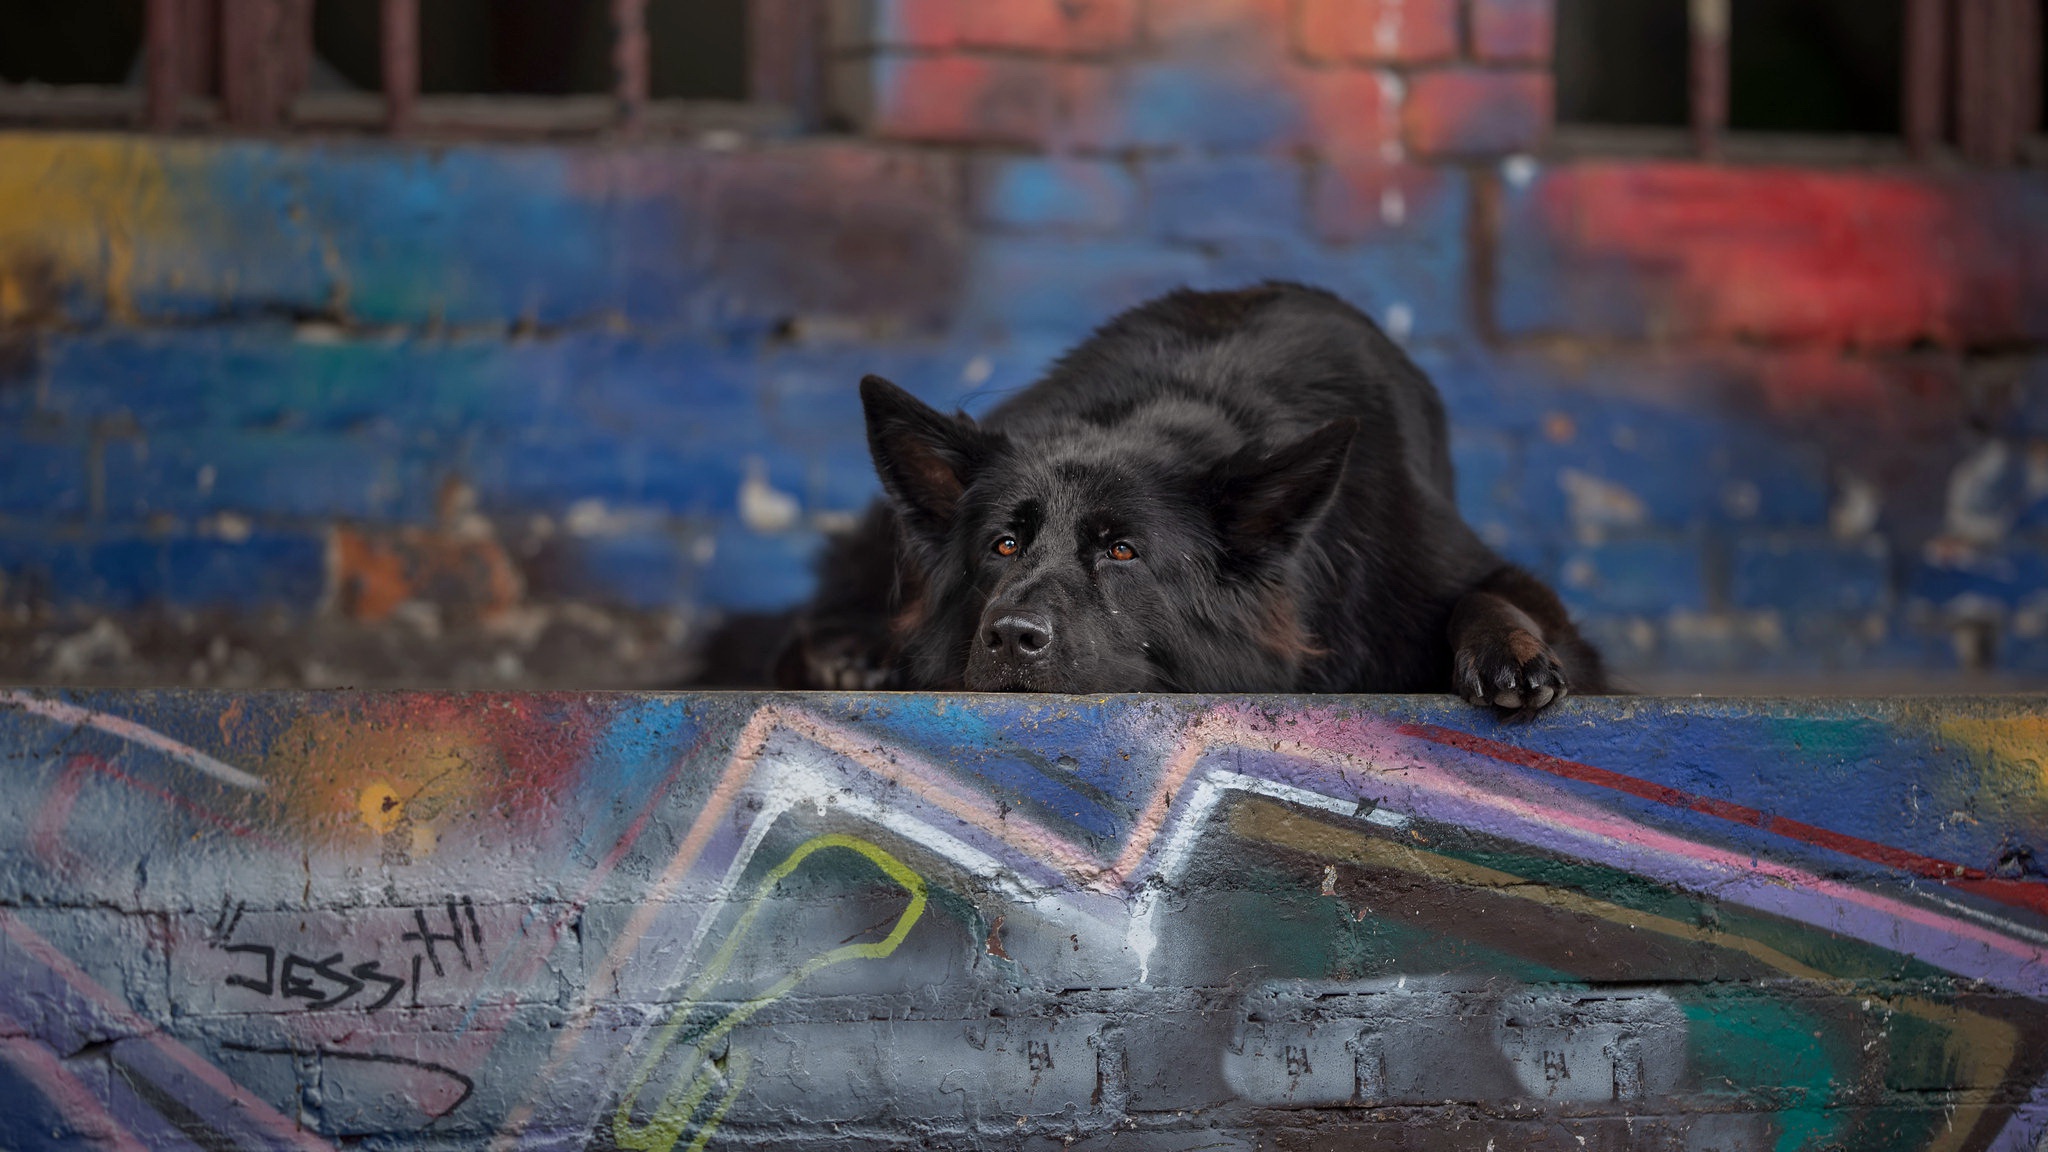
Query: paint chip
x,y
764,507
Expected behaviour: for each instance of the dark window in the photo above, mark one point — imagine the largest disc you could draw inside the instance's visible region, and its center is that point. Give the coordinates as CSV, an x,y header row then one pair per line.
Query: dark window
x,y
1816,65
696,49
96,42
1622,62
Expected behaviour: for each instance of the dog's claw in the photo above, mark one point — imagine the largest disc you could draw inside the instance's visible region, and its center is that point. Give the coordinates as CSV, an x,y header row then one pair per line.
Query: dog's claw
x,y
1513,671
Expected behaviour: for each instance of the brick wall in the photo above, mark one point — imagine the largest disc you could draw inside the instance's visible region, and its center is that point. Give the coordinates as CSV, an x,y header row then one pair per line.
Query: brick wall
x,y
319,410
543,921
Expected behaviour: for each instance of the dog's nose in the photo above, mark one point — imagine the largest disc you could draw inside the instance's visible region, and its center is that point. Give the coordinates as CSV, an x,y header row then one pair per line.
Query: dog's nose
x,y
1024,637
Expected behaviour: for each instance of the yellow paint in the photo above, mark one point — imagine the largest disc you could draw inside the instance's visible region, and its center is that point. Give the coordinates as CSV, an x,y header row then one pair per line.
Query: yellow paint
x,y
73,210
1979,1047
672,1114
334,773
381,807
2013,747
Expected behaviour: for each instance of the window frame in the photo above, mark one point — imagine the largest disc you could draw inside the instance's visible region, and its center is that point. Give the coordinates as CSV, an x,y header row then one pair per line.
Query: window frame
x,y
265,51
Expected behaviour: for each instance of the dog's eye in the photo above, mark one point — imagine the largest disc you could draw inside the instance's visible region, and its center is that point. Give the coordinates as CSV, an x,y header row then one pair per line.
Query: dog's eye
x,y
1122,550
1006,545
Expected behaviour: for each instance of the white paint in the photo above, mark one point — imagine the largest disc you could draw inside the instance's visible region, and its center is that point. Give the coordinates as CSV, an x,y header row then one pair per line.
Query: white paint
x,y
764,507
132,732
1596,503
1393,207
1171,859
1975,513
1400,321
1856,507
1386,31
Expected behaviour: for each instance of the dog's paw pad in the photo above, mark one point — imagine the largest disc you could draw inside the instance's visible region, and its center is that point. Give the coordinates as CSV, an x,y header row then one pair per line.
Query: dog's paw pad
x,y
1513,671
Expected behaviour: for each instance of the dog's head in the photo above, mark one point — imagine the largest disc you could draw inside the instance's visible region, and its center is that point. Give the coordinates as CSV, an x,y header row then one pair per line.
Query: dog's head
x,y
1126,557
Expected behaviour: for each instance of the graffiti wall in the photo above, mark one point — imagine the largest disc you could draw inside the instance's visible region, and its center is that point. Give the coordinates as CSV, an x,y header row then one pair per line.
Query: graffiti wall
x,y
659,922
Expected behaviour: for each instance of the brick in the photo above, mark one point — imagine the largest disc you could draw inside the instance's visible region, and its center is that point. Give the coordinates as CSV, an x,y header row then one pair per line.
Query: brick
x,y
1056,193
1827,259
1643,575
1050,25
1470,111
1225,199
1513,31
1180,104
1219,30
1810,575
1039,102
1961,578
749,570
119,569
1350,115
1374,201
1062,289
1377,31
864,24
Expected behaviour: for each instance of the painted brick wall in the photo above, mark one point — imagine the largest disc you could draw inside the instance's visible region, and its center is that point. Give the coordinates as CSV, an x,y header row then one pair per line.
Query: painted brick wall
x,y
312,411
655,922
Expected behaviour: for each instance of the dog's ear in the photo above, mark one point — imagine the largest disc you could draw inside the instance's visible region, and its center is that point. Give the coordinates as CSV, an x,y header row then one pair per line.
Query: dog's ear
x,y
1264,503
925,458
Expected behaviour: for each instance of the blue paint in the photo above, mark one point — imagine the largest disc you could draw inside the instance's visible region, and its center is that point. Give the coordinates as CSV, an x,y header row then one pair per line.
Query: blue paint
x,y
1057,193
1638,575
1806,575
125,570
1226,198
1169,103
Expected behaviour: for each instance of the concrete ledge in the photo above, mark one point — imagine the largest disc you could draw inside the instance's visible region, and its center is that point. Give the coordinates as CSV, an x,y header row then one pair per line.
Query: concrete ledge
x,y
847,921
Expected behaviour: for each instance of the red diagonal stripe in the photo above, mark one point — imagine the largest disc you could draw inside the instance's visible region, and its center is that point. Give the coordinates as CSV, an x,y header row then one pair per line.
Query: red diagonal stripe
x,y
2019,893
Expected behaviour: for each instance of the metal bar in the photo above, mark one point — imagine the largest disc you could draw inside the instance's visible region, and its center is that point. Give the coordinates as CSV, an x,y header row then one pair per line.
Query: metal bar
x,y
399,42
2027,47
164,63
1925,110
630,61
785,42
266,57
1709,75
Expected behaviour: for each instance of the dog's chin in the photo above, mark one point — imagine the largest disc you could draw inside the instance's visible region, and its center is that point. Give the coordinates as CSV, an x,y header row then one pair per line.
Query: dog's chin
x,y
994,677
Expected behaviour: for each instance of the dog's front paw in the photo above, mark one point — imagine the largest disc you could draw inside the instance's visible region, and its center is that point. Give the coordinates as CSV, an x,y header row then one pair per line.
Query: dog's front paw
x,y
833,661
1510,669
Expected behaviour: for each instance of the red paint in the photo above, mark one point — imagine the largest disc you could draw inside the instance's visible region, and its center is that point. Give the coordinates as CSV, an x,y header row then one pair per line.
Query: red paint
x,y
1349,115
2017,893
1370,200
1040,102
1474,111
1513,31
1780,254
1377,31
1049,25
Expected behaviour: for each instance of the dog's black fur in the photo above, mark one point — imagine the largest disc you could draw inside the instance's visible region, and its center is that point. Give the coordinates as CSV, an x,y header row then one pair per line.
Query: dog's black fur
x,y
1241,491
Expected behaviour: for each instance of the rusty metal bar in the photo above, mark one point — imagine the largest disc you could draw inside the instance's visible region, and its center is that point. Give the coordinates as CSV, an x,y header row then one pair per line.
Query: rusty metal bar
x,y
2027,68
1709,22
164,63
399,44
630,62
785,45
1998,65
266,57
1925,112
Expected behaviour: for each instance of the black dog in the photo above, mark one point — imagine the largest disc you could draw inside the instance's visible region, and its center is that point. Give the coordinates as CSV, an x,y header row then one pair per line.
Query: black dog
x,y
1217,492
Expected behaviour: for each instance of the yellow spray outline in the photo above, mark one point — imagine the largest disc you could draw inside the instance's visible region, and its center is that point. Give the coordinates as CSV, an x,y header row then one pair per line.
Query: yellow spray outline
x,y
681,1100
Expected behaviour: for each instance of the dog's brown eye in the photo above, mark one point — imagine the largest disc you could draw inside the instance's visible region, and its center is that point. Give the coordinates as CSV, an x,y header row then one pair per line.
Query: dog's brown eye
x,y
1006,545
1122,550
